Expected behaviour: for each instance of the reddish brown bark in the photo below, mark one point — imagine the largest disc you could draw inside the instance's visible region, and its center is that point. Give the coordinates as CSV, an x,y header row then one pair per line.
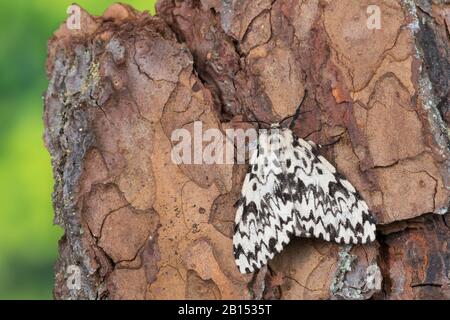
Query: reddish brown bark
x,y
140,227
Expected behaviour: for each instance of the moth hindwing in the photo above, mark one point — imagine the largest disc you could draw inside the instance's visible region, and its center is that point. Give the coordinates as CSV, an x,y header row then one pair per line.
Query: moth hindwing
x,y
291,190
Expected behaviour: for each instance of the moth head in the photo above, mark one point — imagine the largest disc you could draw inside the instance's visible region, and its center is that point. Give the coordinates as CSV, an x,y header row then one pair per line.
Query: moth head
x,y
275,125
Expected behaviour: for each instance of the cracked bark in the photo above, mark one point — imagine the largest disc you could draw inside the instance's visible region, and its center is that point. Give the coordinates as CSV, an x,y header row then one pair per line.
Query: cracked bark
x,y
140,227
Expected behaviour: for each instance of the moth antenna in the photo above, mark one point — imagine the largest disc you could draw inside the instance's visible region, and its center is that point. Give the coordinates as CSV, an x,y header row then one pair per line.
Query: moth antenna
x,y
297,112
255,121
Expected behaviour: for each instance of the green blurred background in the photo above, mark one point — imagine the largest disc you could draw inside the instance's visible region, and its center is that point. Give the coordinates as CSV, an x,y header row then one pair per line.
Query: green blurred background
x,y
28,239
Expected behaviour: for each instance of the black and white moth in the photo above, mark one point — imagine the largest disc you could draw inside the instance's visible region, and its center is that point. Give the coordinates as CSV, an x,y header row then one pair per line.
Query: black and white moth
x,y
291,190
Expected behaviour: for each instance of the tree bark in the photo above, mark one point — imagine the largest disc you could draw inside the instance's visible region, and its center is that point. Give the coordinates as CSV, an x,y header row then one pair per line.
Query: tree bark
x,y
137,226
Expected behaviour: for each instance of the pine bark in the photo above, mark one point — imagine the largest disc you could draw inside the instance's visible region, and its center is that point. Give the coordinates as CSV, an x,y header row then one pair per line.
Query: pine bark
x,y
140,227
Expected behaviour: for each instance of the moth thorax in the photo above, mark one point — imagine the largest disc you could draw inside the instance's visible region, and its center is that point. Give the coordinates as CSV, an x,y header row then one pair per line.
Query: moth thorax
x,y
275,126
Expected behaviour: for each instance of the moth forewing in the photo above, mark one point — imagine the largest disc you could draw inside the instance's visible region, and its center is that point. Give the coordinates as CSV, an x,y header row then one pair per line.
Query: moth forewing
x,y
291,190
